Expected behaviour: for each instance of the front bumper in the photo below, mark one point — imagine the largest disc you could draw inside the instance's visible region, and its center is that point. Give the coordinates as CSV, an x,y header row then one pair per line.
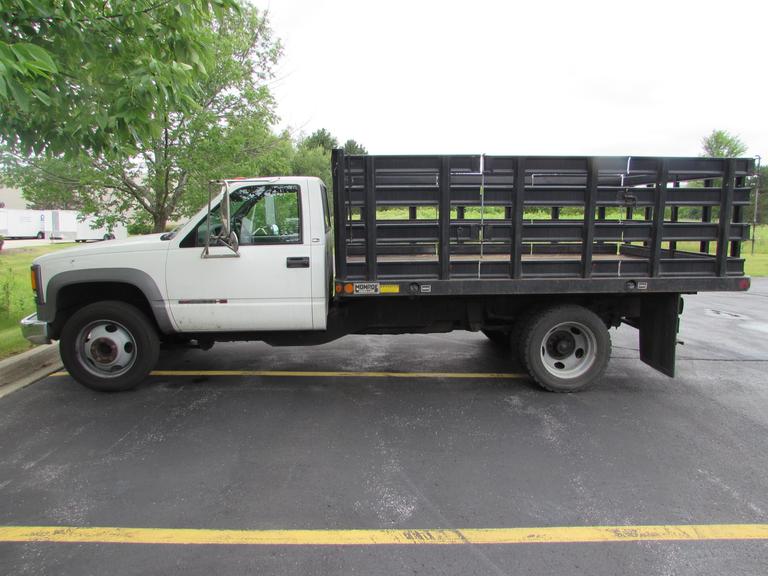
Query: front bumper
x,y
34,330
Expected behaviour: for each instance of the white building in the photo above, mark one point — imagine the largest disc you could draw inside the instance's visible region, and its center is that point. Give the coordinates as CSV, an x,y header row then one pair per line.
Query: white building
x,y
12,198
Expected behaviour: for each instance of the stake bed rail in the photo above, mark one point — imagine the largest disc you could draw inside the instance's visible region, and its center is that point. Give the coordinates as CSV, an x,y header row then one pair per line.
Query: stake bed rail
x,y
516,224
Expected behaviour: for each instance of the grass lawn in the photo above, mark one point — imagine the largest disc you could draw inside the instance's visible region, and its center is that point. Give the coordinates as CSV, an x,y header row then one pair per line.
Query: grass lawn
x,y
16,298
756,265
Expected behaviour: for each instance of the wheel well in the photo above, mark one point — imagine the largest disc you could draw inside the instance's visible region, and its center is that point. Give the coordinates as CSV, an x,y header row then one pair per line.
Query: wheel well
x,y
502,313
74,296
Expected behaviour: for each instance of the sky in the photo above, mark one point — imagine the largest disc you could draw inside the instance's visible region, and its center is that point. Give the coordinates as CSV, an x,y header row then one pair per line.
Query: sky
x,y
535,77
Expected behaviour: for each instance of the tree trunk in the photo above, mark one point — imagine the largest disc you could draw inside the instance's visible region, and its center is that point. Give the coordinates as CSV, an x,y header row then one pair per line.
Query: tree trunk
x,y
159,222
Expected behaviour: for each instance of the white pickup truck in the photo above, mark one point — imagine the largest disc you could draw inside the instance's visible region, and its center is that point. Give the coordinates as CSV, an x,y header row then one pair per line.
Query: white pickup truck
x,y
263,262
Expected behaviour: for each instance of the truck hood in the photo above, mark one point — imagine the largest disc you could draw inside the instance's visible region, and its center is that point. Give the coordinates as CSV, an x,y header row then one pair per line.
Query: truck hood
x,y
151,242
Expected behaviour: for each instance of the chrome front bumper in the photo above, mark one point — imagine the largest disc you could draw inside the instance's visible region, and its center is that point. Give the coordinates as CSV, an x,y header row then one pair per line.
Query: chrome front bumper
x,y
34,330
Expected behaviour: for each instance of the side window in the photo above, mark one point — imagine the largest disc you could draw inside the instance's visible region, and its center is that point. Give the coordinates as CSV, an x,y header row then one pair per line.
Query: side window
x,y
326,208
266,214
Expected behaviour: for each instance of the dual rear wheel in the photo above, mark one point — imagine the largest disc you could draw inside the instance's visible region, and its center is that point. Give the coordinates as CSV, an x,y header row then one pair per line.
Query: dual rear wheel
x,y
563,348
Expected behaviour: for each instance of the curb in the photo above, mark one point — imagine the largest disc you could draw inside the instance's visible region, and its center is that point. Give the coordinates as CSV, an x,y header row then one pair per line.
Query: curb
x,y
28,367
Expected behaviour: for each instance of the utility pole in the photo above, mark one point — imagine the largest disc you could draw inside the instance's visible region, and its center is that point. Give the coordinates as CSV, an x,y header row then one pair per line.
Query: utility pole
x,y
757,205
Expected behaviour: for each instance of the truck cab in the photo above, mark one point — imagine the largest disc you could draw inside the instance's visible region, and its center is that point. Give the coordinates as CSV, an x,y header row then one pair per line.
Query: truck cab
x,y
278,277
109,303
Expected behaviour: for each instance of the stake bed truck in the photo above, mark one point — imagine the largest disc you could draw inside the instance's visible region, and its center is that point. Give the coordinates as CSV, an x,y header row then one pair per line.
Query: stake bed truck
x,y
541,254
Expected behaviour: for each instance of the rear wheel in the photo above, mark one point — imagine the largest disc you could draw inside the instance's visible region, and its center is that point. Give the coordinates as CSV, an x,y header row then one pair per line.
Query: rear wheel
x,y
109,346
565,348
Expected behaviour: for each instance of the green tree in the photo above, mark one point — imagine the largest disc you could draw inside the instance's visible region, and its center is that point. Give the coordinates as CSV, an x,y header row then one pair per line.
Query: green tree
x,y
314,161
760,180
722,144
352,147
91,75
165,174
718,144
313,155
53,187
320,139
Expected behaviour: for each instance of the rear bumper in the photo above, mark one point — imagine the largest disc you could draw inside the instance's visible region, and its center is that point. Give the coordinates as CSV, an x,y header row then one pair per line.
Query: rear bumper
x,y
34,330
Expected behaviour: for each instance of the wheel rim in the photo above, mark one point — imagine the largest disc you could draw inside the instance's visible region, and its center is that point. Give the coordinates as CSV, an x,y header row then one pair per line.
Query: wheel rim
x,y
106,349
568,350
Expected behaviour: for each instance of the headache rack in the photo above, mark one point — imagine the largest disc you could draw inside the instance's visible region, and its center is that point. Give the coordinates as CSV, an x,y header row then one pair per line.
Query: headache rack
x,y
507,224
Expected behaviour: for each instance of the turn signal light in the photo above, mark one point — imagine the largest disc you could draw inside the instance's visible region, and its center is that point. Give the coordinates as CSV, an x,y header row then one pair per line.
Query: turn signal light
x,y
348,288
37,287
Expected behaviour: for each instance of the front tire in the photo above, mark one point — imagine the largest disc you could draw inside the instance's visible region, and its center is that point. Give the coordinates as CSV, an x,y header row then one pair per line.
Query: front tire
x,y
109,346
565,348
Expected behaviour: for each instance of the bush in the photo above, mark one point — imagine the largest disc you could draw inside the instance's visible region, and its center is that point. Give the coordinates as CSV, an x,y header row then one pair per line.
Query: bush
x,y
140,225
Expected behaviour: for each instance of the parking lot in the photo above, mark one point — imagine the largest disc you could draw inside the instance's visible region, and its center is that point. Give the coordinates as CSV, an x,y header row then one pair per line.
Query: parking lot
x,y
363,456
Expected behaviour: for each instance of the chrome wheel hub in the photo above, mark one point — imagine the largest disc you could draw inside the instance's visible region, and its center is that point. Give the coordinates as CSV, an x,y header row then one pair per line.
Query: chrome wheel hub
x,y
569,349
106,348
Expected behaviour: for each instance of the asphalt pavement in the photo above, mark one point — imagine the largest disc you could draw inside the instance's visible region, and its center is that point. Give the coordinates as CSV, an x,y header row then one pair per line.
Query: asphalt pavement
x,y
315,448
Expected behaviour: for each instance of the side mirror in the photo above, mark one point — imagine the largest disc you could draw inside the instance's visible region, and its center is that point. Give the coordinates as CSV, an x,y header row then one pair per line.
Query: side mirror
x,y
224,236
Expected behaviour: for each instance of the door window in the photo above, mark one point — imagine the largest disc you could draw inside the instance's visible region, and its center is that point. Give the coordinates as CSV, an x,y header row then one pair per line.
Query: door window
x,y
262,214
326,208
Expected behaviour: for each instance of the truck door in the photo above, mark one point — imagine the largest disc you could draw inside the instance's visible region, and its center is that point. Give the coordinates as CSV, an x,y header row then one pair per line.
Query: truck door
x,y
267,285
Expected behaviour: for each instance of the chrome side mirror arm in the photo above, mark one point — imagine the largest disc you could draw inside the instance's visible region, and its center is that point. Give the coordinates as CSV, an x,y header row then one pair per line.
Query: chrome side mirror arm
x,y
225,236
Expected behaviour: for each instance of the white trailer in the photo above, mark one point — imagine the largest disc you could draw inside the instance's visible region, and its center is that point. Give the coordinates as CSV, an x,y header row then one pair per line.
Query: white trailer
x,y
63,224
88,230
22,223
47,218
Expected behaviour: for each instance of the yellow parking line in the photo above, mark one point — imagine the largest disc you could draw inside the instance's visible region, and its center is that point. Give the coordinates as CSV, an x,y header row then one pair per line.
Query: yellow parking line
x,y
289,373
551,535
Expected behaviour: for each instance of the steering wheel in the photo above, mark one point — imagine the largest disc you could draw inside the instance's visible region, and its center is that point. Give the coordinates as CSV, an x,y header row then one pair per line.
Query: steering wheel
x,y
261,231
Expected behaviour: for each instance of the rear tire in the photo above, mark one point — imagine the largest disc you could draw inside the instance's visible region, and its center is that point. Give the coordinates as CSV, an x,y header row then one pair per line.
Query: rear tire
x,y
109,346
565,348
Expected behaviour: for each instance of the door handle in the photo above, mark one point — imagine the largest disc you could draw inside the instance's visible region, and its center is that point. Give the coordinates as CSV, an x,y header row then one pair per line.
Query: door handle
x,y
297,262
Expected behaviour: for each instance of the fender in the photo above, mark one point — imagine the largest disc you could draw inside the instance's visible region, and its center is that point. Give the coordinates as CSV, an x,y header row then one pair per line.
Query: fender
x,y
137,278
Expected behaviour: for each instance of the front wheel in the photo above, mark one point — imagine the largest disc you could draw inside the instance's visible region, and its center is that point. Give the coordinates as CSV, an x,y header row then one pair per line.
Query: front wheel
x,y
109,346
565,348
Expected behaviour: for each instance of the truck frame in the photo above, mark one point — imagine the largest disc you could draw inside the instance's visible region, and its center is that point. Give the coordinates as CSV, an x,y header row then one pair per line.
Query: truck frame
x,y
541,253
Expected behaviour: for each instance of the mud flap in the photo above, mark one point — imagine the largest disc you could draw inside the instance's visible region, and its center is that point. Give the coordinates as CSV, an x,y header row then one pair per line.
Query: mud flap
x,y
659,323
